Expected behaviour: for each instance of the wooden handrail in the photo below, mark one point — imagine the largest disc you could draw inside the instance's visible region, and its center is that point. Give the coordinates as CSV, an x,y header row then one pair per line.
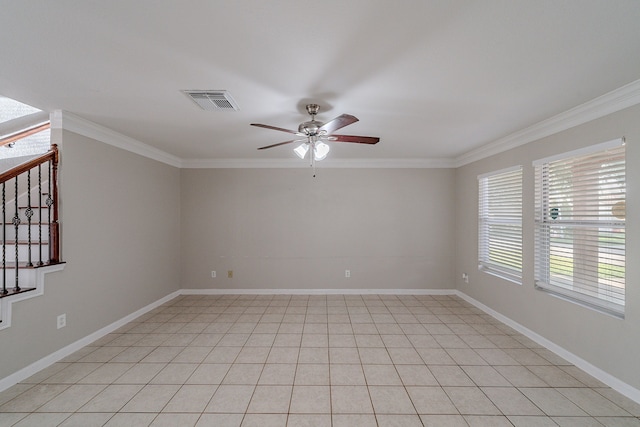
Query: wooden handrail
x,y
54,227
25,133
30,164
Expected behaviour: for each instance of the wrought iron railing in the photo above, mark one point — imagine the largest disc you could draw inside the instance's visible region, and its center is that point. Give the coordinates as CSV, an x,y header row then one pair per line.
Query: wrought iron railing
x,y
28,209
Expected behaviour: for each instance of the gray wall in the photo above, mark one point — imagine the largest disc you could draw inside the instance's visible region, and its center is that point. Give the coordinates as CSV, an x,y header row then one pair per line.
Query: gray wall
x,y
606,342
284,229
120,217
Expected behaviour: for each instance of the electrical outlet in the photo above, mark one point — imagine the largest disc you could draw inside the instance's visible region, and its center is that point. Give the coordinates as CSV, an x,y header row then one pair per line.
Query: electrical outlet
x,y
213,274
465,277
347,273
62,321
230,274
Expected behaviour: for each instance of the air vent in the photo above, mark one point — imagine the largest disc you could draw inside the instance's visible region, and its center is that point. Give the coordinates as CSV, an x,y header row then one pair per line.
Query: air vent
x,y
213,100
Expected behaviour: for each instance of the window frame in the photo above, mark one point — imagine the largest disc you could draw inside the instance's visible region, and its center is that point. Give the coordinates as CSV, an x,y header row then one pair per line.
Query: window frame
x,y
511,219
580,281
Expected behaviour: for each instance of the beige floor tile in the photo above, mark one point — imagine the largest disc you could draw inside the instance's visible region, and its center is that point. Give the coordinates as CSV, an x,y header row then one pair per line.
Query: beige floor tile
x,y
270,399
487,421
130,419
190,398
381,375
551,402
107,373
399,421
112,398
404,356
264,420
343,374
222,355
287,340
9,419
86,420
243,373
40,420
192,355
71,399
283,355
344,355
531,421
374,356
485,376
450,375
577,422
431,400
152,398
350,400
313,355
620,400
353,420
278,374
141,373
175,420
511,401
554,376
435,356
162,354
520,376
33,398
72,373
132,355
593,403
103,354
312,374
466,356
309,420
443,421
253,355
416,375
310,400
43,374
367,340
174,373
391,400
230,399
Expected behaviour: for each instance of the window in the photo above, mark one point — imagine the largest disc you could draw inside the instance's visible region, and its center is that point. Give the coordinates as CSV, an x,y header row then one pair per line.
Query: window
x,y
580,226
500,223
22,130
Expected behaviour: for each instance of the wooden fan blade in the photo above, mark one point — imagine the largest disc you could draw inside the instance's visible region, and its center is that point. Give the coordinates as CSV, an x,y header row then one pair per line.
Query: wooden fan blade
x,y
338,123
276,128
353,138
280,143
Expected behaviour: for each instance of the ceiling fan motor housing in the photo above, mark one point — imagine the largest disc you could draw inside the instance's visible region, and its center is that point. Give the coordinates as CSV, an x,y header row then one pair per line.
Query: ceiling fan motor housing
x,y
310,128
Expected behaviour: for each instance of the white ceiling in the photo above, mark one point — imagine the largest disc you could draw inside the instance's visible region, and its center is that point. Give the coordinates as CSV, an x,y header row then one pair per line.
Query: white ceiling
x,y
432,79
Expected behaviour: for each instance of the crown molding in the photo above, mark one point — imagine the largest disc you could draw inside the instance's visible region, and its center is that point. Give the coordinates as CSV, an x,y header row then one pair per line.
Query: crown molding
x,y
616,100
71,122
325,164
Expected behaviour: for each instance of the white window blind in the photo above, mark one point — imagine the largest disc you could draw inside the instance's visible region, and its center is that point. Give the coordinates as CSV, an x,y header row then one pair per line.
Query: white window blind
x,y
580,226
500,223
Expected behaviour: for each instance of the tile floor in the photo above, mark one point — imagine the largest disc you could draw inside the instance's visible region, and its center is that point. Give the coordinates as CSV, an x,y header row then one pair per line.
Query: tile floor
x,y
330,360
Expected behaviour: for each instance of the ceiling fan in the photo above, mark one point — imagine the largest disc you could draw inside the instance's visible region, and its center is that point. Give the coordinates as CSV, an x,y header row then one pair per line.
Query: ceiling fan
x,y
314,134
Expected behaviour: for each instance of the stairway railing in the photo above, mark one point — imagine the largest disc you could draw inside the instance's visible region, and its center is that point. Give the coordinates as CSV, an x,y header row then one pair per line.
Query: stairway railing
x,y
18,232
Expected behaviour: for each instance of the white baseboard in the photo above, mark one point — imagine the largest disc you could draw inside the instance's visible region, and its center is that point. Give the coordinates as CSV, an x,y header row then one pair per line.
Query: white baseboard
x,y
608,379
49,360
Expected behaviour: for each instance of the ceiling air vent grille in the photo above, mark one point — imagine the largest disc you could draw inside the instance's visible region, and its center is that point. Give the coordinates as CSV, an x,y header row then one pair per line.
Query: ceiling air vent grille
x,y
213,100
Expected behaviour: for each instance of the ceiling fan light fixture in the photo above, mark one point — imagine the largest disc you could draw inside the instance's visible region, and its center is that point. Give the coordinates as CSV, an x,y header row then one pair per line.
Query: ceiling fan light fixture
x,y
301,150
321,150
